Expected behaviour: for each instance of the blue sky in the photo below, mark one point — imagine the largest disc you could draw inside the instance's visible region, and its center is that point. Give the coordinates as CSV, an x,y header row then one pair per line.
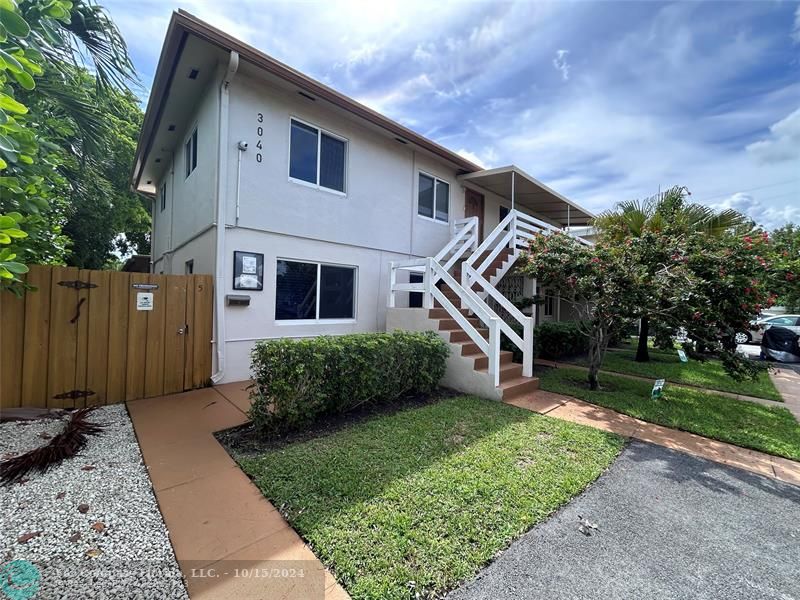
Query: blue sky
x,y
603,101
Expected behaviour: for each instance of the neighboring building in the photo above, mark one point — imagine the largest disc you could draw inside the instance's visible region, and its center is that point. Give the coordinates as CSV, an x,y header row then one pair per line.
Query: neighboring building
x,y
317,193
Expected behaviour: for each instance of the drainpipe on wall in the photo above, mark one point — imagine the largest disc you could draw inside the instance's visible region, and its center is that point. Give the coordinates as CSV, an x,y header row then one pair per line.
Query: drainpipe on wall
x,y
222,179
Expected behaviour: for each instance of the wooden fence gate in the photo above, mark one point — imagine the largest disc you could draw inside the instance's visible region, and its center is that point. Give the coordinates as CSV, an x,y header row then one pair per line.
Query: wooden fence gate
x,y
97,337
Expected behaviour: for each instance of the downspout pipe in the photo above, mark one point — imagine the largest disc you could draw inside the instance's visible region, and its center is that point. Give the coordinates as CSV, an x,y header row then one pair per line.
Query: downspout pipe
x,y
222,180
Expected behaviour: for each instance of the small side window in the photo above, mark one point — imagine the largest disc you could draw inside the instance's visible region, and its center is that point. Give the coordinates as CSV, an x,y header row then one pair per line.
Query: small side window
x,y
189,267
190,152
163,195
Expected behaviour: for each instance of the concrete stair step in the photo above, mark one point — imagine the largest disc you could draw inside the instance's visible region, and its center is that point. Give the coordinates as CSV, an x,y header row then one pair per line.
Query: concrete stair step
x,y
508,371
459,335
519,386
451,324
482,361
441,313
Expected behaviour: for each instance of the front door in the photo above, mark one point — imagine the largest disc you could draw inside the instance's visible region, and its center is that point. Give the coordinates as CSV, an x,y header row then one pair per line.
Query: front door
x,y
473,207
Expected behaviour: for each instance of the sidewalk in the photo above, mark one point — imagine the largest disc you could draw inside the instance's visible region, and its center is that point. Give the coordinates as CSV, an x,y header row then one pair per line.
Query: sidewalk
x,y
229,540
578,411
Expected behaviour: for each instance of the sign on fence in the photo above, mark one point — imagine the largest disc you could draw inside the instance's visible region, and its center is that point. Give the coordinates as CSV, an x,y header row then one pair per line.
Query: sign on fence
x,y
82,338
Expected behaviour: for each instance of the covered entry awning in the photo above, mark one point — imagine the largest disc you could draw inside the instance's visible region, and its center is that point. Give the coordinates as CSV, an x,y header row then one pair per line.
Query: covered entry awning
x,y
529,195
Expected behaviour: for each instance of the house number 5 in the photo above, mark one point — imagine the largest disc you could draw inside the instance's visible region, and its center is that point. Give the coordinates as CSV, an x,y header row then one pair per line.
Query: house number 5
x,y
259,133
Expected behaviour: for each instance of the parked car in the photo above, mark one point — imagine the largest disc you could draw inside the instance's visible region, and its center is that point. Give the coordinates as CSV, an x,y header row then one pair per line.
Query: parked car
x,y
781,344
760,325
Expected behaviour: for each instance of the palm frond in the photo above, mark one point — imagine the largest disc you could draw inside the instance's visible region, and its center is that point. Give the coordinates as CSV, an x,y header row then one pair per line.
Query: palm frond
x,y
62,446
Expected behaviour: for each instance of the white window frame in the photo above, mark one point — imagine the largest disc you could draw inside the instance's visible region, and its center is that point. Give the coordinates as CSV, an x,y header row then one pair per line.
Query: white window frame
x,y
290,322
190,154
449,198
320,131
163,196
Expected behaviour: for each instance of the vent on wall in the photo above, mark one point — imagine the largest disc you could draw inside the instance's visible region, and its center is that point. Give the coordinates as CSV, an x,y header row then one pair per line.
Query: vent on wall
x,y
193,74
171,128
310,97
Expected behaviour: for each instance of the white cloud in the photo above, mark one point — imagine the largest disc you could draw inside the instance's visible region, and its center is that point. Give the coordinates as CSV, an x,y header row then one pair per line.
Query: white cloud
x,y
561,64
796,30
669,94
783,142
770,217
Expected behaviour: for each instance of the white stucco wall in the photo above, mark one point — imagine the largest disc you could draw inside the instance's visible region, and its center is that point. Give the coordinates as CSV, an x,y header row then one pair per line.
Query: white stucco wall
x,y
379,207
191,201
246,324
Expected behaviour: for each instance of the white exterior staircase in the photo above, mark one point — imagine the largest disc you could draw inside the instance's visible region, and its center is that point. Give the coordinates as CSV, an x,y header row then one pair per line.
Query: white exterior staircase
x,y
456,285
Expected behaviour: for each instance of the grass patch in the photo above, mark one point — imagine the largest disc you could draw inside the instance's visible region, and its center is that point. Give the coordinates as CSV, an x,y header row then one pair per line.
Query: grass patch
x,y
416,501
708,374
769,429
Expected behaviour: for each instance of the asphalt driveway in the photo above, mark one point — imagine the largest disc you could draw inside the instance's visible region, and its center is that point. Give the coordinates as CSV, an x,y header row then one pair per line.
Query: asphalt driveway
x,y
669,526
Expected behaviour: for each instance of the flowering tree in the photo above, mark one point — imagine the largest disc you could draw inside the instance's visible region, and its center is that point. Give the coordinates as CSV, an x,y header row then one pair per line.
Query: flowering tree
x,y
709,286
785,257
667,213
605,285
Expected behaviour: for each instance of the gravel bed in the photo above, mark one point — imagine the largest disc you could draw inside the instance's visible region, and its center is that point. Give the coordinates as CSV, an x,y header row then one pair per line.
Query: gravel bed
x,y
101,534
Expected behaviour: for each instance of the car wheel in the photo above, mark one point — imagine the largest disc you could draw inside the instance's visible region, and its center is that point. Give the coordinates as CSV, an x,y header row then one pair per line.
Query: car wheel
x,y
742,337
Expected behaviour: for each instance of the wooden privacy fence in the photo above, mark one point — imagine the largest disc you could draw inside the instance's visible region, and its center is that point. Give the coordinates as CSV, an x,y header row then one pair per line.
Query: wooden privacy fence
x,y
87,337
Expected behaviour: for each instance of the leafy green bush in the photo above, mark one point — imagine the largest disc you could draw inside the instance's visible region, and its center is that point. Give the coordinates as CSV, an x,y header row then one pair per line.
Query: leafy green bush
x,y
551,339
559,339
297,382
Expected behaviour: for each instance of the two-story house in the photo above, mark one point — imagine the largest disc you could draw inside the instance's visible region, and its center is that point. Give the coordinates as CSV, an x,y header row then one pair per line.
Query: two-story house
x,y
316,214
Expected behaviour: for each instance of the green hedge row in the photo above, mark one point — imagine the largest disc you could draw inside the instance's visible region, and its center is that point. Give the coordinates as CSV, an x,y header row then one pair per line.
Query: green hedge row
x,y
552,339
300,381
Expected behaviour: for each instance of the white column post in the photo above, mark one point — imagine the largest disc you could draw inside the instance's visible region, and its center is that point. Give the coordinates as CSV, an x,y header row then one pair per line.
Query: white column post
x,y
392,282
527,353
513,190
494,350
427,298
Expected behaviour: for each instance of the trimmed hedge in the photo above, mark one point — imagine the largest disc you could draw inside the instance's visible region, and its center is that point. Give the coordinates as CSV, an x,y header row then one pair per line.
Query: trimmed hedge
x,y
559,339
298,382
551,339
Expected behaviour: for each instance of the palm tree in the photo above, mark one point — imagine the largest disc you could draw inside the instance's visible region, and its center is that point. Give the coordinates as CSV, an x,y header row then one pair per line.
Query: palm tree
x,y
633,218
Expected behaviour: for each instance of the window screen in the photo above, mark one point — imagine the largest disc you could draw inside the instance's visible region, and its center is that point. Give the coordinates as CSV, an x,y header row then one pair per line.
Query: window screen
x,y
296,290
303,153
426,191
336,292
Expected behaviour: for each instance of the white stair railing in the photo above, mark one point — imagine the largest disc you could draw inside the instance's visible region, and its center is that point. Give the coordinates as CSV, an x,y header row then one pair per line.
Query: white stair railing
x,y
513,233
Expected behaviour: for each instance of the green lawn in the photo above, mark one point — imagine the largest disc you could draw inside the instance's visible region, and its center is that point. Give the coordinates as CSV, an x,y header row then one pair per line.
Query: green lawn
x,y
416,501
771,430
708,374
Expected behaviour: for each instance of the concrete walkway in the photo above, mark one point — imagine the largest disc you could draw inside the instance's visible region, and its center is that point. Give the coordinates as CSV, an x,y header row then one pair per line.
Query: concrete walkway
x,y
787,379
669,526
229,540
578,411
795,409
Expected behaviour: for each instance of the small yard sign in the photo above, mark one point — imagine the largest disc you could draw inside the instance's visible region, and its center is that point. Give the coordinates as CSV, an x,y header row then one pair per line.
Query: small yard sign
x,y
682,356
658,388
144,301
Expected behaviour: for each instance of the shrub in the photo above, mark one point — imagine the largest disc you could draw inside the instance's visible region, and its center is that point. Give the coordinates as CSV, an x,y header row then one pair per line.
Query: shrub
x,y
559,339
297,382
551,339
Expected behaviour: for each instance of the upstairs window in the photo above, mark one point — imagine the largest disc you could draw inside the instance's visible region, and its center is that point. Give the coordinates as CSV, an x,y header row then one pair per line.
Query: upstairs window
x,y
191,153
317,157
163,195
433,198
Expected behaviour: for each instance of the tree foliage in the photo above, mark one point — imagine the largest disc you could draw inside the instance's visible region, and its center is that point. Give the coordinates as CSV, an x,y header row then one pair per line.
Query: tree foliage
x,y
41,43
706,285
102,215
669,213
785,256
